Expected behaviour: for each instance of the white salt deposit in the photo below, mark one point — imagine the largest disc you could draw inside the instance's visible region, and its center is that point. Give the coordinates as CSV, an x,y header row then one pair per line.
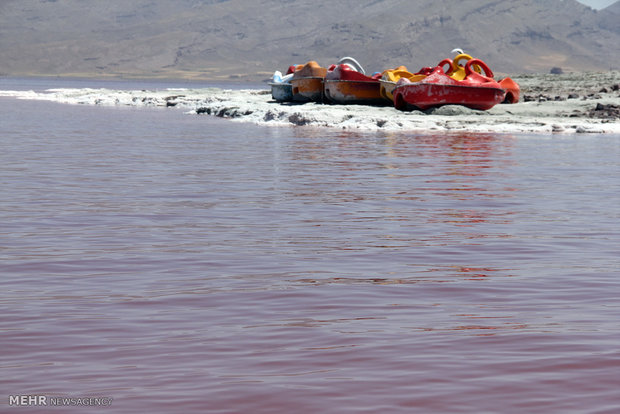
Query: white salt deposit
x,y
548,110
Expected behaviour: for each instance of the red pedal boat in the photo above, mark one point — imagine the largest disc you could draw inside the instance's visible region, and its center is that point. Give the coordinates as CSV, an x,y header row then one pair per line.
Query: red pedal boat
x,y
474,91
347,83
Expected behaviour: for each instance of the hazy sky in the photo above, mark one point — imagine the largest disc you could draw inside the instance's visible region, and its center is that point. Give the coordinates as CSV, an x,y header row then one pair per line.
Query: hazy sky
x,y
597,4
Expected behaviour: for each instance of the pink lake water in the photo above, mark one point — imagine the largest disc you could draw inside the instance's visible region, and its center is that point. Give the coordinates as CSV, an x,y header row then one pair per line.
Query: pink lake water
x,y
165,262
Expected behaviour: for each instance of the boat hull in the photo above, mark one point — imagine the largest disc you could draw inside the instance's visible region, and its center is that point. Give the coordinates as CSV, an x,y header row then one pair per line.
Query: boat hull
x,y
282,92
308,89
424,95
353,92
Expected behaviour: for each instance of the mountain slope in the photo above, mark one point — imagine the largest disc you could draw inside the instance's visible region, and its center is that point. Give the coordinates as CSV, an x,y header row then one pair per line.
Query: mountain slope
x,y
223,38
613,8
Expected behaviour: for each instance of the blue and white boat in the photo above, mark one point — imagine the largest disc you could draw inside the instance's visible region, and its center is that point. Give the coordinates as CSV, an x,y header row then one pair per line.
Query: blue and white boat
x,y
281,88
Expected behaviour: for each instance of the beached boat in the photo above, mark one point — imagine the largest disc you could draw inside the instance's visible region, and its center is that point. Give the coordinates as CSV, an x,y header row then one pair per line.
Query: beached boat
x,y
347,83
307,82
475,91
281,87
451,68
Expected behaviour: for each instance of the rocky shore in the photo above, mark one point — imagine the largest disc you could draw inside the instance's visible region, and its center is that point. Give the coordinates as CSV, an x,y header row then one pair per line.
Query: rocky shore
x,y
601,87
567,103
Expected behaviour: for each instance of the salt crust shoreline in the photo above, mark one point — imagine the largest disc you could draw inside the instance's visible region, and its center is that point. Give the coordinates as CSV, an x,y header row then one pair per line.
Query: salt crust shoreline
x,y
567,104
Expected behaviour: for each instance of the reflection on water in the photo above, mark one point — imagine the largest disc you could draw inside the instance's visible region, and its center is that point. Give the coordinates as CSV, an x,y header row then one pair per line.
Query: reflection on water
x,y
190,264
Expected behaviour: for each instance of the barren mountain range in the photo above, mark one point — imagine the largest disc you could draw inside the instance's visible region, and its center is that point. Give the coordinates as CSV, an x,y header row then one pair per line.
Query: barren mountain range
x,y
239,39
